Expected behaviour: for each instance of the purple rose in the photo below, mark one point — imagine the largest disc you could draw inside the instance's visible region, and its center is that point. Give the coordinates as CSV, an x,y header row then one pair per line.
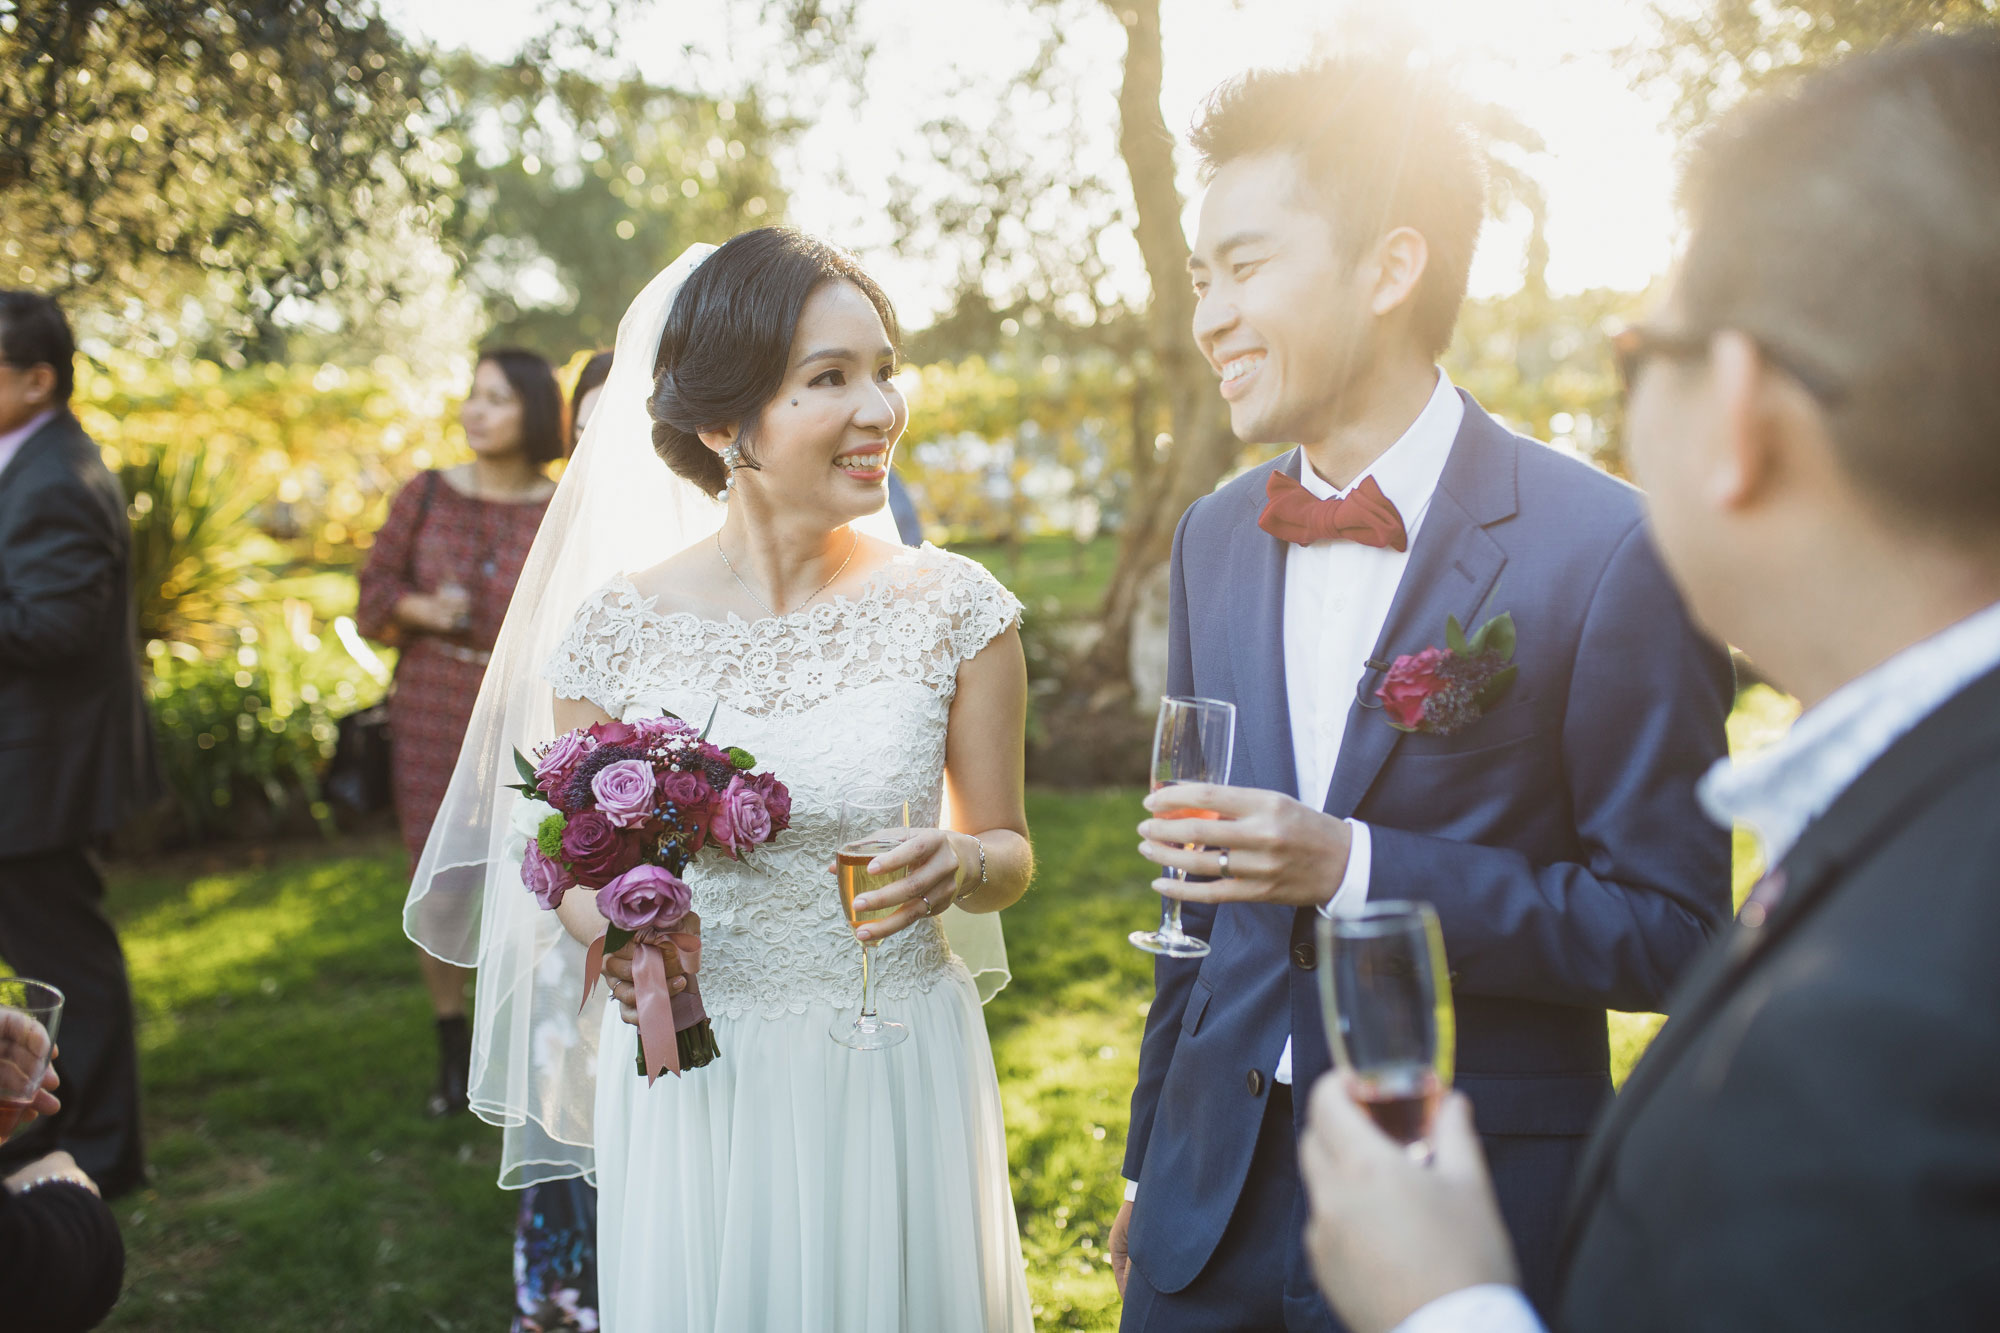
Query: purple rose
x,y
652,729
552,770
777,799
624,792
741,818
690,792
645,895
597,850
546,879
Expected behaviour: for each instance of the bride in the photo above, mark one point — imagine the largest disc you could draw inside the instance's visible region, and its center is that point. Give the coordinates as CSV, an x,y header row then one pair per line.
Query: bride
x,y
794,1183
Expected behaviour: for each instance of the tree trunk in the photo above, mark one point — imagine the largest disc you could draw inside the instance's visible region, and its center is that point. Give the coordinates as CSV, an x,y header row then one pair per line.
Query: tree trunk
x,y
1202,447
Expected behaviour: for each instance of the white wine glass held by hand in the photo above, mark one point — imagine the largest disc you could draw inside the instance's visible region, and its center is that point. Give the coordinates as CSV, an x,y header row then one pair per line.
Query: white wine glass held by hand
x,y
1192,742
873,822
30,1014
1386,997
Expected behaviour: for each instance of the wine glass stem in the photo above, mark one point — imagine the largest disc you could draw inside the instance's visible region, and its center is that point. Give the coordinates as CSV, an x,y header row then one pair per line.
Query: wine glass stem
x,y
867,981
1170,914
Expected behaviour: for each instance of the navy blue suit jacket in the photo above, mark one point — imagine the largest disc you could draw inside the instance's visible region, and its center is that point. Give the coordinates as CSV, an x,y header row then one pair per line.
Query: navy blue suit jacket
x,y
1558,836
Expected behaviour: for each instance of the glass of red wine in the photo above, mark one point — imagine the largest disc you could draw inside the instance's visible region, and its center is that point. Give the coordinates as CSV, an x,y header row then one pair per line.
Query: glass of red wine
x,y
30,1012
1192,742
1386,997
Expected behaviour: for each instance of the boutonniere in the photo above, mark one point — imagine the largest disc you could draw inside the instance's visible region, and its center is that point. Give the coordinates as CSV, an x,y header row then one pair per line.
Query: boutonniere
x,y
1442,691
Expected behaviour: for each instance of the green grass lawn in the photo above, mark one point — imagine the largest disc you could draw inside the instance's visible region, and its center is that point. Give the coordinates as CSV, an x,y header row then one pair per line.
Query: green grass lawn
x,y
287,1046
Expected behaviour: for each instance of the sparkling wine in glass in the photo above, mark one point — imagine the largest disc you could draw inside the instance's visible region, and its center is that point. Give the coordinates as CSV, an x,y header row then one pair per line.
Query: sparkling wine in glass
x,y
1385,994
1192,742
30,1013
869,824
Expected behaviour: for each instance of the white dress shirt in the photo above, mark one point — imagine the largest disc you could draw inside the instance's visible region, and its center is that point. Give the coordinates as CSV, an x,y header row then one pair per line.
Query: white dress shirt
x,y
1337,595
1776,793
11,442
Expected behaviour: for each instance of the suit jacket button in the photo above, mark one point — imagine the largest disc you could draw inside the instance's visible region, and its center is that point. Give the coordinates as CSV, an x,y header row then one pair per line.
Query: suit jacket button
x,y
1304,955
1254,1080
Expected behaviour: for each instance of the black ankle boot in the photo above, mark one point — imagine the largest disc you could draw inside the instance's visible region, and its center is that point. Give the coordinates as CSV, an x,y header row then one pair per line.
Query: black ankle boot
x,y
454,1068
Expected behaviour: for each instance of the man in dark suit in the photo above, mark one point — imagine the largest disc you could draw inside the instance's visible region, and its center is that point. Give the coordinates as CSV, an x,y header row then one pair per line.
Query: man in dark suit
x,y
1554,828
75,744
1813,1140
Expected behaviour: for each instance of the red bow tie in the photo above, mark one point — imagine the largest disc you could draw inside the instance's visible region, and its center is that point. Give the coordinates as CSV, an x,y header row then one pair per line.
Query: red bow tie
x,y
1364,515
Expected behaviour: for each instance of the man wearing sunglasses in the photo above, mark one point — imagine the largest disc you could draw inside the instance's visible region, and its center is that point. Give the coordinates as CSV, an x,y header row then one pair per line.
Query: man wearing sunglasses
x,y
1813,1140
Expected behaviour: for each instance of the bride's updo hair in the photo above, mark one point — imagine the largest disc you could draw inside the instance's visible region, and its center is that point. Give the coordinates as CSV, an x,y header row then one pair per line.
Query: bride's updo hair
x,y
728,342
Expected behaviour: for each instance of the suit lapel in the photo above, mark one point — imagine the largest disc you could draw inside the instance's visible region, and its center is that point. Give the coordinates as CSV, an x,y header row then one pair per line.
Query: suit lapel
x,y
1452,569
1963,731
1263,714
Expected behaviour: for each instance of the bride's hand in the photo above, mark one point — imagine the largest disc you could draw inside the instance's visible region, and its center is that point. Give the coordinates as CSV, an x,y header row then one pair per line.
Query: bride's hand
x,y
618,969
933,860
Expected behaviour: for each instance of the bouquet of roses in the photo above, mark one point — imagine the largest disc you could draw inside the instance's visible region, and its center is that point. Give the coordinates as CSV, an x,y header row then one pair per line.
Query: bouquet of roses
x,y
629,806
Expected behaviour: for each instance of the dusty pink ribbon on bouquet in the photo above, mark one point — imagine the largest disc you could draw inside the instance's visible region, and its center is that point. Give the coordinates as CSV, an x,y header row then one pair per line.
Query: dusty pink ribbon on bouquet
x,y
664,953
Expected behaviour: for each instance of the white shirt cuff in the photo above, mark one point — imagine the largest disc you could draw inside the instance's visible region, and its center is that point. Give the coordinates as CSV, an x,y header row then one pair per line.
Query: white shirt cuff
x,y
1349,898
1488,1308
1131,1190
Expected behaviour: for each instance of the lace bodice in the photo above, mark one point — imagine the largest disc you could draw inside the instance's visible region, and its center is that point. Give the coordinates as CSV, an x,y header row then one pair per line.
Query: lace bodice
x,y
849,693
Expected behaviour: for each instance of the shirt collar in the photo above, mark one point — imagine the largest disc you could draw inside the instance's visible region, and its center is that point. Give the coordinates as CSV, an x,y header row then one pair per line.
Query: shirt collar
x,y
1781,789
11,442
1408,470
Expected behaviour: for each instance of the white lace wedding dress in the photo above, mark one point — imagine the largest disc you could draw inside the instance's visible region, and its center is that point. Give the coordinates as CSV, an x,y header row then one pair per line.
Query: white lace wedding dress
x,y
795,1184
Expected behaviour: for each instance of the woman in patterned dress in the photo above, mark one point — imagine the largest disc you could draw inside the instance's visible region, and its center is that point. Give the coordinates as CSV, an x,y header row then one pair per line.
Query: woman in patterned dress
x,y
436,585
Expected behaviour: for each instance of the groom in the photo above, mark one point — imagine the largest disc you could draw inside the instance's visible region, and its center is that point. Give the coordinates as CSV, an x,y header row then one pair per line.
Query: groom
x,y
1550,820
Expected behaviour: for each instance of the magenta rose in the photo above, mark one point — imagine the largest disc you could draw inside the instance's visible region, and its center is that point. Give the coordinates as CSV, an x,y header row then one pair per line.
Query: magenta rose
x,y
659,728
1410,684
741,818
689,791
624,792
597,850
645,895
546,879
552,770
613,733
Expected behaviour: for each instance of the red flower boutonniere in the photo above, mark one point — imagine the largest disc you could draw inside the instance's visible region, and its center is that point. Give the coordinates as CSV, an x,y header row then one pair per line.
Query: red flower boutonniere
x,y
1442,691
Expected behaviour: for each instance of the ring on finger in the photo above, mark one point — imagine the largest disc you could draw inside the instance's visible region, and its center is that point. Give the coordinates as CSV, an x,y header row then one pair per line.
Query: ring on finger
x,y
927,904
1224,859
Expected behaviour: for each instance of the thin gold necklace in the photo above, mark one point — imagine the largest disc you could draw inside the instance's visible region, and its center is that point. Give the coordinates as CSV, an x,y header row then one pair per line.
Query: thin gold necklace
x,y
802,605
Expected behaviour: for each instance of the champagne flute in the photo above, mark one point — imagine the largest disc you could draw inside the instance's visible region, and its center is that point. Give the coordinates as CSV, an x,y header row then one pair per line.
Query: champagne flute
x,y
30,1013
1192,742
1385,996
868,820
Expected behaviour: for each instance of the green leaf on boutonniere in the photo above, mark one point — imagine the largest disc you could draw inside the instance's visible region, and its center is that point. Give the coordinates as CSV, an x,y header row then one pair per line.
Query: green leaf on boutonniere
x,y
1454,637
1495,636
1496,688
525,769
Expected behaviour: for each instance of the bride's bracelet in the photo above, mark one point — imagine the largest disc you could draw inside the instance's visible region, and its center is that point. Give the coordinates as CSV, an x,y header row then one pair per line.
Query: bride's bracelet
x,y
963,894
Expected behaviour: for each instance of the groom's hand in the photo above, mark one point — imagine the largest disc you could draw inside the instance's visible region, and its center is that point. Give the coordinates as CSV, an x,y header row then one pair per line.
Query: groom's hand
x,y
1387,1234
1121,1254
1279,850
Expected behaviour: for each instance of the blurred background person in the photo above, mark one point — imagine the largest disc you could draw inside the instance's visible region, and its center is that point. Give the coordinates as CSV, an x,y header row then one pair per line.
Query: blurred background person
x,y
555,1238
436,586
76,747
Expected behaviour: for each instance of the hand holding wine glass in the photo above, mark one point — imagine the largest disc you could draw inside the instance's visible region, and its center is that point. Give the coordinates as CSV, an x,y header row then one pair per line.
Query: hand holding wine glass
x,y
1192,743
30,1013
873,823
1385,995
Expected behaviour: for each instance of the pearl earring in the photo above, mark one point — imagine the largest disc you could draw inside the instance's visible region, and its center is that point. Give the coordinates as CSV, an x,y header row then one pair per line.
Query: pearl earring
x,y
732,459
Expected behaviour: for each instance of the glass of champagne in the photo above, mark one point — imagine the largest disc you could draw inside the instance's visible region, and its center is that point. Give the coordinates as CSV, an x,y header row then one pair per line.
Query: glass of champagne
x,y
30,1013
1385,994
1191,743
869,820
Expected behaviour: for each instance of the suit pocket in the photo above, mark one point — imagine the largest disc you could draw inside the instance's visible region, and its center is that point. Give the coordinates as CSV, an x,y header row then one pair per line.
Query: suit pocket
x,y
1197,1005
1509,724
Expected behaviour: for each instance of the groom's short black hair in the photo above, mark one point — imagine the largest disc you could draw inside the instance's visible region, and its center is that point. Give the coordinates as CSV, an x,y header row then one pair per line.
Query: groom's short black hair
x,y
1381,145
33,332
1851,226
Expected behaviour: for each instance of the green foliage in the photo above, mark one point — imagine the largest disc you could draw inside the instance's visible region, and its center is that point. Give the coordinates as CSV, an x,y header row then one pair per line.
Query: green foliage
x,y
226,153
575,191
1714,54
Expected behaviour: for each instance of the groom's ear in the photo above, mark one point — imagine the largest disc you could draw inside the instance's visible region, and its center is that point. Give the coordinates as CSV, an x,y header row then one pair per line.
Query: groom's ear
x,y
1397,266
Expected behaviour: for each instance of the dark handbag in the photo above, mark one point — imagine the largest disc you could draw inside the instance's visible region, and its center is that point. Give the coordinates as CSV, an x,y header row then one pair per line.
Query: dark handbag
x,y
358,775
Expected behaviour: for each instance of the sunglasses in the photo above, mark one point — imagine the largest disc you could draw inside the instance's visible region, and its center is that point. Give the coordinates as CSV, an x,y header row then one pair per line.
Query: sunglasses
x,y
1635,345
